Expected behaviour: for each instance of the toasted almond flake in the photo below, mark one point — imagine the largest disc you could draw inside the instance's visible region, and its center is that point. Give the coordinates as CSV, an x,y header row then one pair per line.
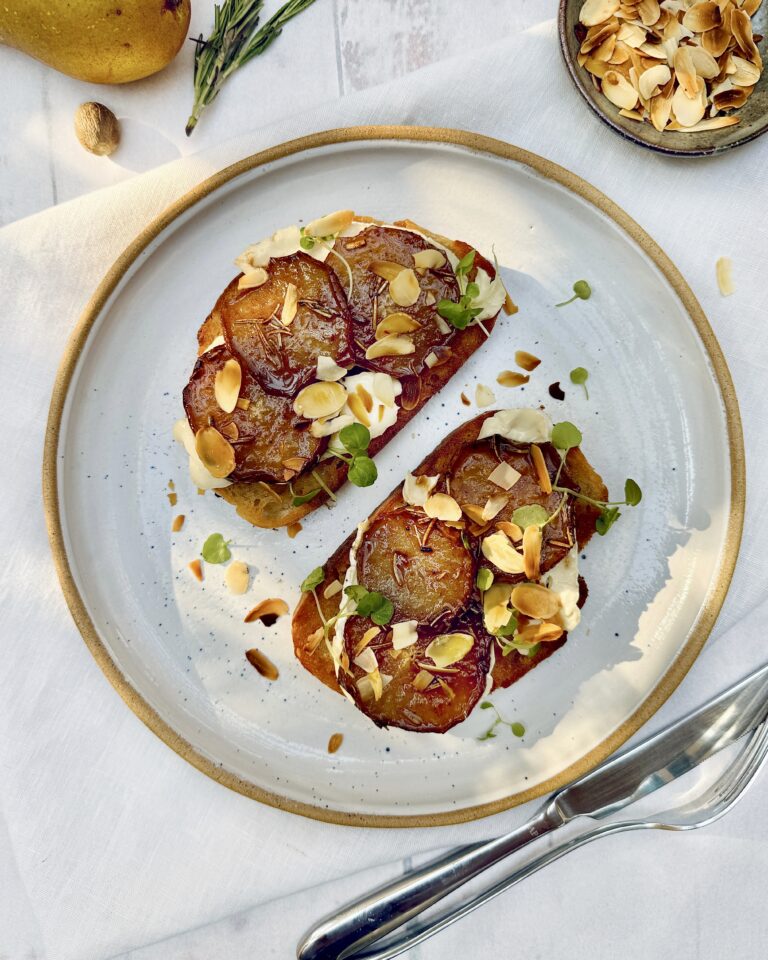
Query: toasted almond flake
x,y
714,123
196,569
631,115
356,405
404,634
253,278
504,475
335,741
261,662
404,289
731,99
243,403
290,305
702,16
512,530
416,490
236,577
200,492
431,360
724,268
370,686
440,506
532,551
747,74
429,259
498,549
716,41
178,523
366,660
533,633
366,638
604,52
430,299
598,34
649,12
171,485
542,474
687,111
269,491
296,464
386,269
326,427
496,609
465,399
528,361
475,513
705,64
267,611
511,378
422,680
631,34
293,530
510,307
314,640
441,325
484,396
396,323
230,431
172,498
597,11
652,79
322,399
660,111
330,224
393,345
332,589
449,648
652,51
328,369
215,452
685,72
493,506
535,601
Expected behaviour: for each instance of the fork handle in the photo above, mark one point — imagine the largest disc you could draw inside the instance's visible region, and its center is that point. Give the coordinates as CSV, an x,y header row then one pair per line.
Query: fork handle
x,y
367,920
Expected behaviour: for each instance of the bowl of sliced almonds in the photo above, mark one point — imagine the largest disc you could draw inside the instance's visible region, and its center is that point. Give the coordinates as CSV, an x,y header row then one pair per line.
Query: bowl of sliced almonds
x,y
682,77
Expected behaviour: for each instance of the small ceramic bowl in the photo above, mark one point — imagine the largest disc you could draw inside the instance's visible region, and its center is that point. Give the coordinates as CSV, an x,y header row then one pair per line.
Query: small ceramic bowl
x,y
754,114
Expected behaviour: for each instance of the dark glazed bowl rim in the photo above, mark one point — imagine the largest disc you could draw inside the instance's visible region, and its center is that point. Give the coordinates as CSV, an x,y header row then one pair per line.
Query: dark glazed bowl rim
x,y
578,76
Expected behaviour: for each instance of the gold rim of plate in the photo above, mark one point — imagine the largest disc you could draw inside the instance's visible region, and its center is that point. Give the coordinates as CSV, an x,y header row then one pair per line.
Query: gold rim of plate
x,y
552,171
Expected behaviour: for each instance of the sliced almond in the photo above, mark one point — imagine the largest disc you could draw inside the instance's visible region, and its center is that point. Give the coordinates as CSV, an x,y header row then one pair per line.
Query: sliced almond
x,y
386,269
449,648
243,403
430,299
534,600
230,431
597,35
705,64
404,634
429,260
685,72
493,506
597,11
532,551
504,475
393,345
512,530
267,611
404,289
510,307
396,323
498,549
327,426
314,640
253,278
322,399
236,577
747,73
542,474
431,360
660,111
484,396
196,569
688,112
714,123
631,34
330,224
511,378
370,634
475,513
226,385
650,80
216,453
173,499
261,662
619,90
496,609
416,490
332,589
724,270
335,741
533,633
730,100
422,680
604,52
366,660
527,361
290,305
178,523
649,12
702,16
716,41
384,389
441,506
356,405
293,530
328,369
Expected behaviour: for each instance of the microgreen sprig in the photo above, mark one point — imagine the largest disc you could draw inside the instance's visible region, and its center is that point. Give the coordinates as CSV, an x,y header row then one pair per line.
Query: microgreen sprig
x,y
216,549
579,376
515,726
371,604
461,314
355,438
581,291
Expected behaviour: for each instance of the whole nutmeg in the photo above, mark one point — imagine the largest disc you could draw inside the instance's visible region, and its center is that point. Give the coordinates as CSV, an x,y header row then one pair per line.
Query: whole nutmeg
x,y
97,128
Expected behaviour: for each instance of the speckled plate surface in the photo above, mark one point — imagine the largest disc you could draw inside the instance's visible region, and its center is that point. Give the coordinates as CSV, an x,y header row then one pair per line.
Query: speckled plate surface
x,y
661,408
754,114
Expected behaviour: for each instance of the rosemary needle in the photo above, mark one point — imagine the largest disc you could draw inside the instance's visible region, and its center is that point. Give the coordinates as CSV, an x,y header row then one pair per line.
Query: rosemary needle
x,y
234,41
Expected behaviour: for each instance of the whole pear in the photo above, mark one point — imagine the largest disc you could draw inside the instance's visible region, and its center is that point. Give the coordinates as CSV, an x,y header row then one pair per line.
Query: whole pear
x,y
101,41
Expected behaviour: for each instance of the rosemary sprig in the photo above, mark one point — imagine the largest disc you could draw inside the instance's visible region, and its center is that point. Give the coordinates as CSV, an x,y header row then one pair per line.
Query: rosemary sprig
x,y
234,41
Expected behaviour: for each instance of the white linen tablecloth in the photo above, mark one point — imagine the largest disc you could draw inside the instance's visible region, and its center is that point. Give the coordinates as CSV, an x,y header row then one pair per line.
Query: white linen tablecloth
x,y
110,843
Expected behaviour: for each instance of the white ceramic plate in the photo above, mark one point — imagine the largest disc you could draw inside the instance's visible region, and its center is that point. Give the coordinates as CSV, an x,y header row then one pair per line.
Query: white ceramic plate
x,y
660,409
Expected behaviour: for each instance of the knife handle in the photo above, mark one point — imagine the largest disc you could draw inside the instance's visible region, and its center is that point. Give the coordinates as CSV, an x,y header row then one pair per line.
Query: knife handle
x,y
367,920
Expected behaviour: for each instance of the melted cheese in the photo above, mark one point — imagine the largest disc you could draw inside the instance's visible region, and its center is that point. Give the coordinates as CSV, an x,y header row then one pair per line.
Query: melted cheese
x,y
520,425
563,579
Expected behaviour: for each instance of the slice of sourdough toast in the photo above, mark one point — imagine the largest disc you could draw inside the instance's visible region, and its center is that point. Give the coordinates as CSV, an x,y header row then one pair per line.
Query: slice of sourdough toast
x,y
424,559
341,318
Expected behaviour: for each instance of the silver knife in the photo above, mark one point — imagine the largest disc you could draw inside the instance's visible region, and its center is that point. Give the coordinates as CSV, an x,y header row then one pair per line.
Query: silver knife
x,y
614,784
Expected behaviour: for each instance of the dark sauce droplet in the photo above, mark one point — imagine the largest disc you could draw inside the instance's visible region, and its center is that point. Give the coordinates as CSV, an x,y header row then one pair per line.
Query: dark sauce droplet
x,y
556,391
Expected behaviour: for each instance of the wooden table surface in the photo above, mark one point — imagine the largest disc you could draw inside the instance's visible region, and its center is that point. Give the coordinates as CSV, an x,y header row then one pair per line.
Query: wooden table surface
x,y
335,48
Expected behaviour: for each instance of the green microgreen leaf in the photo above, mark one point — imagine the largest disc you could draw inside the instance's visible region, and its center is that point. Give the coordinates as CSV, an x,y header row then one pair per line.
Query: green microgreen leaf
x,y
517,729
488,735
531,515
565,435
455,313
313,580
608,516
472,291
484,578
216,549
486,705
306,243
579,376
581,291
370,603
466,263
632,493
362,471
301,499
355,438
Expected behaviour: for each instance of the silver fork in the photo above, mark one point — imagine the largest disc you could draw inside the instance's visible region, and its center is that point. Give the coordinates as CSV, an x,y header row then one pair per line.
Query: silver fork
x,y
708,807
